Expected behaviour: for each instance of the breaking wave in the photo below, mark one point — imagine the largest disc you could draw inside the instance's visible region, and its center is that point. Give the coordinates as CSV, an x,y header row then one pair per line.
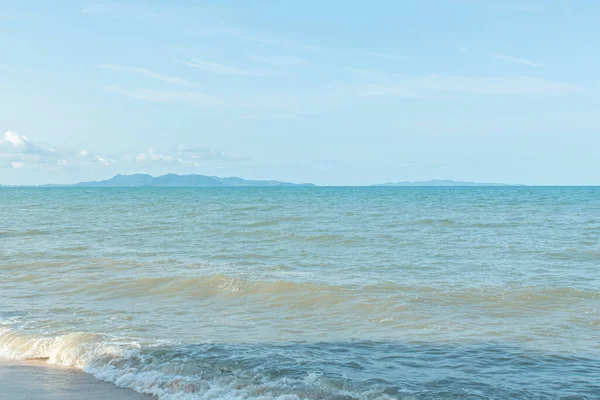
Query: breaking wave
x,y
333,371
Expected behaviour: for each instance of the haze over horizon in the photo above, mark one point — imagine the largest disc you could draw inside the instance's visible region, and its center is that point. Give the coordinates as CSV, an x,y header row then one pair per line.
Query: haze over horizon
x,y
336,93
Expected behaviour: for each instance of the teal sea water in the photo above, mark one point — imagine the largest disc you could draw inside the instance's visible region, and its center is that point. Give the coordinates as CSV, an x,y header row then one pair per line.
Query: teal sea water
x,y
310,293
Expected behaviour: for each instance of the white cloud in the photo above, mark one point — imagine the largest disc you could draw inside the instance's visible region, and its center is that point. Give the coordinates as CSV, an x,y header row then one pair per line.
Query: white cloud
x,y
103,161
516,60
15,140
85,157
145,72
185,156
18,151
218,69
203,153
157,96
150,156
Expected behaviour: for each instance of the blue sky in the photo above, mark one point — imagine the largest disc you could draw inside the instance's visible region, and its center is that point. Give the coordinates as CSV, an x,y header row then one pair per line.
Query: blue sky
x,y
335,93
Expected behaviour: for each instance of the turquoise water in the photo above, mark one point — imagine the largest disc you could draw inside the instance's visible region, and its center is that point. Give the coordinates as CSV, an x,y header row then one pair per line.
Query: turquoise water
x,y
318,293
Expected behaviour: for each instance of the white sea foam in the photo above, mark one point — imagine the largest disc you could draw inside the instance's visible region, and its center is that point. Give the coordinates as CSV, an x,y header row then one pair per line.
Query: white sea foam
x,y
126,366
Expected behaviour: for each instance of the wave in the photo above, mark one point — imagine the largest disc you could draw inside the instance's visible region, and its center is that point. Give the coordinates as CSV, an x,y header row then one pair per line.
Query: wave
x,y
276,235
464,224
271,222
289,310
25,233
428,221
361,370
220,286
575,254
176,371
381,300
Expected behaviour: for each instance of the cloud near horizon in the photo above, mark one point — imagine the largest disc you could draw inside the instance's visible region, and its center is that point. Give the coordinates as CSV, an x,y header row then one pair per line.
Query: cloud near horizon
x,y
17,151
184,156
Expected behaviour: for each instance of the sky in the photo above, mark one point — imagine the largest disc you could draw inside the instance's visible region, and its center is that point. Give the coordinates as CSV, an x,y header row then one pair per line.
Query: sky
x,y
330,92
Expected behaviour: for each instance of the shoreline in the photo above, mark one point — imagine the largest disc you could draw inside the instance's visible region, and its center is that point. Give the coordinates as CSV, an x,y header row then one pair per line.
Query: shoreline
x,y
38,380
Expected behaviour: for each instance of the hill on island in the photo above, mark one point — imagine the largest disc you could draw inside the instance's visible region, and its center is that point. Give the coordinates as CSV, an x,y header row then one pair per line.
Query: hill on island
x,y
174,180
443,182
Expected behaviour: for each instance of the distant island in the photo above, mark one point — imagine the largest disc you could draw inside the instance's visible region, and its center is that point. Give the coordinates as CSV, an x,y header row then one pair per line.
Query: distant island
x,y
195,180
174,180
443,182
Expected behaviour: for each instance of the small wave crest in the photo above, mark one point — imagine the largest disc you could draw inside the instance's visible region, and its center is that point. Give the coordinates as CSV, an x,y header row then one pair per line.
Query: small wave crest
x,y
215,286
24,233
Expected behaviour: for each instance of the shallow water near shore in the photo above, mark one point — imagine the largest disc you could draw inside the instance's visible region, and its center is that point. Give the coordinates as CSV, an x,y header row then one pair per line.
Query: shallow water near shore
x,y
36,380
318,293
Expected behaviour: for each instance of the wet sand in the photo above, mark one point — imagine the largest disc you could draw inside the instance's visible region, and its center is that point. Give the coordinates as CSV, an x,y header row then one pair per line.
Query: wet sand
x,y
36,380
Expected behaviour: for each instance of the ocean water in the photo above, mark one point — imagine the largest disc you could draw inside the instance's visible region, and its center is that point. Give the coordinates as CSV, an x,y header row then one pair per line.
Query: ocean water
x,y
309,293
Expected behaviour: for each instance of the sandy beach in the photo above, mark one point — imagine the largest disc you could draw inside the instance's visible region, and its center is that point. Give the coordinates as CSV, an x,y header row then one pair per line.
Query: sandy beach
x,y
36,380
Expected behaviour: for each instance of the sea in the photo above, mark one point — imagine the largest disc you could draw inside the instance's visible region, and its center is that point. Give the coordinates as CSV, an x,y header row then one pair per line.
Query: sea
x,y
338,293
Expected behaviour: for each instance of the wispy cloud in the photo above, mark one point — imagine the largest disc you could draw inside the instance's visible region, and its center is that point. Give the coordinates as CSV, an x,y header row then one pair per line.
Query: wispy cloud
x,y
381,90
388,56
218,69
516,60
264,105
436,85
144,72
194,99
217,27
5,67
289,44
276,42
296,45
127,11
271,117
282,61
520,7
